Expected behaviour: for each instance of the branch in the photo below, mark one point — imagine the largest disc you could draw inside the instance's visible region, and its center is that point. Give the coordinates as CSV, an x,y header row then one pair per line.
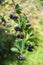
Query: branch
x,y
13,2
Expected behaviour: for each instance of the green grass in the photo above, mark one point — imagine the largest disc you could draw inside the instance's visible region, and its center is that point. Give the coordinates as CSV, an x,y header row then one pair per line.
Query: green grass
x,y
32,58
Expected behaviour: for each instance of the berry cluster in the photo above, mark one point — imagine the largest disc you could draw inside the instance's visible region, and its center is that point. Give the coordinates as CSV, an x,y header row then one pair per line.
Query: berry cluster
x,y
12,16
28,25
21,33
21,58
30,48
20,29
20,36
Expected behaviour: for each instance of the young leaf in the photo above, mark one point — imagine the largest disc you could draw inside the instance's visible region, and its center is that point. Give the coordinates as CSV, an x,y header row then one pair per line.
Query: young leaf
x,y
14,49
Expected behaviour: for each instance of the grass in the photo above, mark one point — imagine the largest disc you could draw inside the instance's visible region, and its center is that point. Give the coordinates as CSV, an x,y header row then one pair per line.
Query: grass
x,y
32,58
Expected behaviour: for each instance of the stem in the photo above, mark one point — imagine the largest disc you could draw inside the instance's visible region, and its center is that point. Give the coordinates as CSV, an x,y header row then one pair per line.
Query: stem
x,y
13,2
21,53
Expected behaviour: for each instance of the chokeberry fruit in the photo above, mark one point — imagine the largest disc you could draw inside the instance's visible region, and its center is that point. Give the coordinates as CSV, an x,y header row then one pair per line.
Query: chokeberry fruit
x,y
12,16
15,17
20,36
18,28
28,25
21,58
30,48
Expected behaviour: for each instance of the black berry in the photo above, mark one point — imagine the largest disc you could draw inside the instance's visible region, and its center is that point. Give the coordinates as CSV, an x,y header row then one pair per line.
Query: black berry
x,y
15,17
20,36
28,25
21,58
18,28
30,48
12,16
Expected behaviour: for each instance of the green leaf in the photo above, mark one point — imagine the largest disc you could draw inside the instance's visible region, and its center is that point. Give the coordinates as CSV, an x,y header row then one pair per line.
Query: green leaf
x,y
18,8
16,43
14,49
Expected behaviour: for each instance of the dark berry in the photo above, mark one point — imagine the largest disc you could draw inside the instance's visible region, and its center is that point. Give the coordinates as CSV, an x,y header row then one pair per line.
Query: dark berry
x,y
21,58
20,36
30,48
18,28
12,16
28,25
15,17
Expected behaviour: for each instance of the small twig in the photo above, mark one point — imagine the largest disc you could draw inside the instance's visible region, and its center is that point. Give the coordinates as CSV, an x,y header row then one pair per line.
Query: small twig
x,y
13,3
